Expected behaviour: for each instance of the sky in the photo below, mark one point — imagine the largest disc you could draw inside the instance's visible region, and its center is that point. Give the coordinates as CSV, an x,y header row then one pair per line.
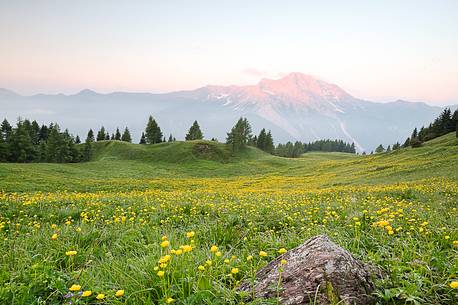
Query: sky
x,y
375,50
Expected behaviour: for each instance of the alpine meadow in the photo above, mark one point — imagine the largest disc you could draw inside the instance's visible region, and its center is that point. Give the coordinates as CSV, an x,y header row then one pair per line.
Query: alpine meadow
x,y
154,188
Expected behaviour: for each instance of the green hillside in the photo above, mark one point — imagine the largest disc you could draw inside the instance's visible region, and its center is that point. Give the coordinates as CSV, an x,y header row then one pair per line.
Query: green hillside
x,y
119,160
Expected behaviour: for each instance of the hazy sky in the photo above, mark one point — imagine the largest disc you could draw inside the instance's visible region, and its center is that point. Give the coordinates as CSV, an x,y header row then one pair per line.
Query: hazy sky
x,y
377,50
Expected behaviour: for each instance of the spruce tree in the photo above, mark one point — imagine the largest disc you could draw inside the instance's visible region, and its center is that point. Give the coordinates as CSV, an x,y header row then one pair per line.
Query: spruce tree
x,y
406,143
379,149
261,142
414,134
194,132
107,136
90,136
43,136
170,138
126,136
142,139
117,135
269,144
153,133
21,146
77,139
239,134
101,134
6,132
87,150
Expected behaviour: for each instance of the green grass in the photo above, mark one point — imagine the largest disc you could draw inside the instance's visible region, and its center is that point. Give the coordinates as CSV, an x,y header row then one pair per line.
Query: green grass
x,y
114,160
115,209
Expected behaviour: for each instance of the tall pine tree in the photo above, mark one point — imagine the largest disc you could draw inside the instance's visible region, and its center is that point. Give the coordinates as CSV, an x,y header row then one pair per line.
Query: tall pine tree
x,y
194,132
153,133
126,136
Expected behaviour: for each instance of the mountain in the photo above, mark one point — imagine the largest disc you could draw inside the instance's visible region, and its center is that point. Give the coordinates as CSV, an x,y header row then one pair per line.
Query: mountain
x,y
295,107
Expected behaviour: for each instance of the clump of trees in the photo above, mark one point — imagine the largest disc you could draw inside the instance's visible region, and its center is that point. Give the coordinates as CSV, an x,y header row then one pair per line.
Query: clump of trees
x,y
29,142
445,123
294,150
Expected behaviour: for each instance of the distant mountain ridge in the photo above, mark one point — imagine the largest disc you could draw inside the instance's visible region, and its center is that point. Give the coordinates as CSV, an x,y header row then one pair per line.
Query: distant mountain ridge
x,y
295,107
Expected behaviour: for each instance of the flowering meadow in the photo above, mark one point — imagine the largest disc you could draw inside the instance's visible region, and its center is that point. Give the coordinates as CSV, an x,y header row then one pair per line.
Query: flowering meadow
x,y
193,240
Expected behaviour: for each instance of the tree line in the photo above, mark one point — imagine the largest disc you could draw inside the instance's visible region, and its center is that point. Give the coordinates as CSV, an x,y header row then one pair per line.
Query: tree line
x,y
445,123
294,150
30,142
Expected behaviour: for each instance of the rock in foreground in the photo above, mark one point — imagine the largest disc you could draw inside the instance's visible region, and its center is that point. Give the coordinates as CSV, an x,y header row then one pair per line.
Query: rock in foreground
x,y
317,272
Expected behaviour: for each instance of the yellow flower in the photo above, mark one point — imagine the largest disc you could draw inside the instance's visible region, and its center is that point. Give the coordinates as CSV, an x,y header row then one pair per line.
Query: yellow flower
x,y
54,236
218,254
87,293
455,243
169,300
283,262
454,284
208,262
235,270
190,234
160,273
164,237
78,229
214,249
165,259
390,232
165,244
249,257
186,248
119,293
54,226
71,253
75,287
201,268
178,252
156,268
100,296
282,251
262,253
227,261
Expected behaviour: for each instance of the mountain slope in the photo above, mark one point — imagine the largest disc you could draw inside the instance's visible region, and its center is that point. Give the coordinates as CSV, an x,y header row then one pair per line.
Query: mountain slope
x,y
295,107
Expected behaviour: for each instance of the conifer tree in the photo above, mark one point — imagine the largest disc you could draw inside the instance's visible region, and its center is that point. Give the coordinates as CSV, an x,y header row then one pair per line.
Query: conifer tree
x,y
126,136
77,139
239,134
194,132
6,131
153,133
101,134
117,135
406,143
142,139
170,138
90,136
87,150
43,136
269,144
21,146
261,142
379,149
107,136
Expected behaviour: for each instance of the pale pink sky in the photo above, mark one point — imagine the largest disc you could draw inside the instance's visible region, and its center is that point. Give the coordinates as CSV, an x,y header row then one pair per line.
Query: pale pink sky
x,y
376,51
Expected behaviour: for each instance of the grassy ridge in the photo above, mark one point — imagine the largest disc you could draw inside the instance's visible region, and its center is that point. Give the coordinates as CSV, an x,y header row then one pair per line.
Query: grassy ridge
x,y
136,164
